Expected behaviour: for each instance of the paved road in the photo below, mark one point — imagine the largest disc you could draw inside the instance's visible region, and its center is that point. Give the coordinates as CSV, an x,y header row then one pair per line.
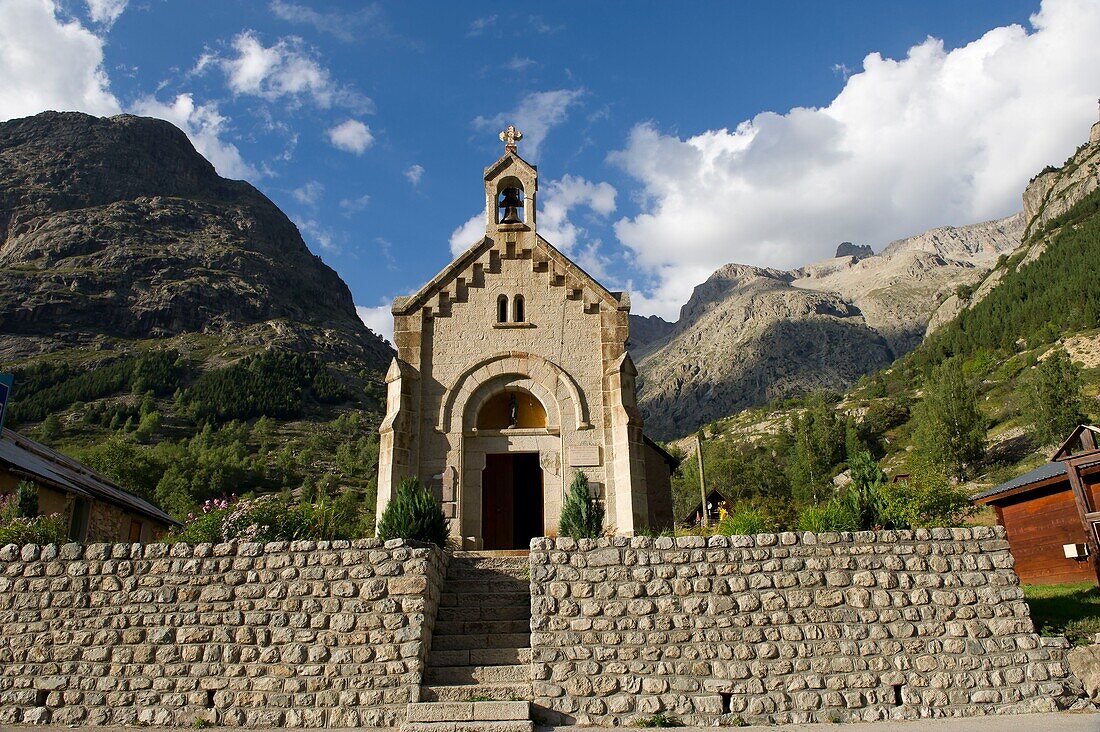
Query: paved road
x,y
1062,722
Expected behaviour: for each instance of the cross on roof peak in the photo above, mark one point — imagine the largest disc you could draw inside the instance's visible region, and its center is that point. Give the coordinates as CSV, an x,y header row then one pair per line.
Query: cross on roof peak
x,y
510,136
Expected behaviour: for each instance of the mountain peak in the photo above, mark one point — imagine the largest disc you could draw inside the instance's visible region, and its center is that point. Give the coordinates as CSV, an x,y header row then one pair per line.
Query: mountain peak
x,y
118,228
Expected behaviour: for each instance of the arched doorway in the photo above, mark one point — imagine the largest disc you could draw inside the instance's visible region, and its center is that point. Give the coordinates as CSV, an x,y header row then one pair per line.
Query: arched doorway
x,y
512,485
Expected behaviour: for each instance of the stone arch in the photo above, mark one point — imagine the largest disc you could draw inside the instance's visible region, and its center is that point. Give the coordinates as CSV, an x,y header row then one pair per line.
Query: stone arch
x,y
547,375
486,391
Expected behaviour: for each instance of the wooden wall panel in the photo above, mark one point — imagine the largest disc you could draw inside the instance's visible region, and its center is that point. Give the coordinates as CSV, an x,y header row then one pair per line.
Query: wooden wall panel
x,y
1038,524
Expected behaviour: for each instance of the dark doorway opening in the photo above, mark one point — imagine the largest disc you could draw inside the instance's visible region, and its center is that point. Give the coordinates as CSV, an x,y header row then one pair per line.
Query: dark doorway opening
x,y
511,500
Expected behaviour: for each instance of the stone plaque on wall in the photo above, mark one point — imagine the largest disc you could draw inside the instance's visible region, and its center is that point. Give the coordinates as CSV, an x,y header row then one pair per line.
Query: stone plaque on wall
x,y
584,456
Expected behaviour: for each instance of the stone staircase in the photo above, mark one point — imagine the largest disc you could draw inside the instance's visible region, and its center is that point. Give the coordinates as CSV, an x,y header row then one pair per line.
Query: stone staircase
x,y
478,675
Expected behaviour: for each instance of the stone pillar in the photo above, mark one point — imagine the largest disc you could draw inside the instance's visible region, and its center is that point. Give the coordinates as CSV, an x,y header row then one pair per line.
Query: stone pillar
x,y
627,464
396,452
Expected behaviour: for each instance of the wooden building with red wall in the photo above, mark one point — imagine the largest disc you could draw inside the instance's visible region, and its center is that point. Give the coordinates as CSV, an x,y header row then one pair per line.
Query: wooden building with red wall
x,y
1049,513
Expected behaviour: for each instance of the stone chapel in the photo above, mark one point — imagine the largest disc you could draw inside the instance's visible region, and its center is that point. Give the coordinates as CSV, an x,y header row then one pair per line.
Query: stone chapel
x,y
512,373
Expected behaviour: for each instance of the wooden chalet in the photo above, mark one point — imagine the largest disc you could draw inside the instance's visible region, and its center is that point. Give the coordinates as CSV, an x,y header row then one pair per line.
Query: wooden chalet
x,y
716,501
1051,513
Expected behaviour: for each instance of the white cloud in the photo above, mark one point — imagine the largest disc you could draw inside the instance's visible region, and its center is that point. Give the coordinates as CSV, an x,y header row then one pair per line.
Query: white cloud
x,y
559,198
309,194
519,63
468,234
314,232
932,139
285,69
379,319
337,24
205,125
351,136
480,25
354,205
105,12
49,63
535,116
414,173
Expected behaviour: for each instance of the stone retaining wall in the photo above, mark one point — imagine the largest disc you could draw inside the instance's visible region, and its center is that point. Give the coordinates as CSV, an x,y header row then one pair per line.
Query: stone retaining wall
x,y
787,628
299,634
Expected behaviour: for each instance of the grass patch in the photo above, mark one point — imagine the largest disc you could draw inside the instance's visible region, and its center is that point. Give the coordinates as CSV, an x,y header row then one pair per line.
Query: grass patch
x,y
1072,610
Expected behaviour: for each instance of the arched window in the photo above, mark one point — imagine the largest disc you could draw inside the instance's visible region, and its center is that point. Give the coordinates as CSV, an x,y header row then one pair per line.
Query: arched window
x,y
512,409
502,309
518,316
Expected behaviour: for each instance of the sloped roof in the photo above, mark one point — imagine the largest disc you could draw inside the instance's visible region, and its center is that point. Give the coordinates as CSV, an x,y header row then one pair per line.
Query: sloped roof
x,y
40,463
1041,473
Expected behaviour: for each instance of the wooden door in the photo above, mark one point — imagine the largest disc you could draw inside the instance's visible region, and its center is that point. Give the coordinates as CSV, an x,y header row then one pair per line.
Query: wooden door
x,y
496,502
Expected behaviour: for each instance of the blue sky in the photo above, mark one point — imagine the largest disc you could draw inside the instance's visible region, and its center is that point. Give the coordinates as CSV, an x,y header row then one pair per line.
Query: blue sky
x,y
670,138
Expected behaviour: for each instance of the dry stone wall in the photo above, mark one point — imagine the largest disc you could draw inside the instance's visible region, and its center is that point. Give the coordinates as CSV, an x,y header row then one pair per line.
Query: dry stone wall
x,y
298,634
787,628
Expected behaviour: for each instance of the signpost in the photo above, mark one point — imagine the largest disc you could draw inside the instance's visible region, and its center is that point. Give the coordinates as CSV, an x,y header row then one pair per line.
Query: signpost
x,y
6,381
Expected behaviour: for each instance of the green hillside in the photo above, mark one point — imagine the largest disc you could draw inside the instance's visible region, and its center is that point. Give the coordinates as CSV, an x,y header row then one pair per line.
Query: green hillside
x,y
190,419
1005,349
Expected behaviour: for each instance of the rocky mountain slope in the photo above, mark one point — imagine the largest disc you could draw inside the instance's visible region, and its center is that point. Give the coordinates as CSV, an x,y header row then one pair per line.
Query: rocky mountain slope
x,y
118,229
750,335
1050,194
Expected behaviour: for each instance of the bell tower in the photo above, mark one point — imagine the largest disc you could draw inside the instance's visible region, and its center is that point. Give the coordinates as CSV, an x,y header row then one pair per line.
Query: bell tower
x,y
511,186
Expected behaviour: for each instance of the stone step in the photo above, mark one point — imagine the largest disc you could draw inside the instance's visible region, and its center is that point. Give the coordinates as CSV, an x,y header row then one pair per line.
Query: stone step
x,y
455,675
498,726
470,711
496,599
486,586
461,642
480,657
517,612
480,692
481,627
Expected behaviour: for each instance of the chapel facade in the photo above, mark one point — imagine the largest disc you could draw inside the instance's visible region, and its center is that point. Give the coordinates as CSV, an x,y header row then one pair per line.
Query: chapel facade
x,y
512,374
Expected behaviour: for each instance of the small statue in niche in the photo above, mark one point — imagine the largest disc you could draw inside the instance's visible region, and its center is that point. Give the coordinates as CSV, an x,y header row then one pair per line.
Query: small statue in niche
x,y
513,411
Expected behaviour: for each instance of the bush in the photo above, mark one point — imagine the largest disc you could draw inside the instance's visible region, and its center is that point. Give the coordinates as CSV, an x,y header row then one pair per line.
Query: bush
x,y
745,520
19,529
927,500
268,518
582,515
413,514
830,516
26,499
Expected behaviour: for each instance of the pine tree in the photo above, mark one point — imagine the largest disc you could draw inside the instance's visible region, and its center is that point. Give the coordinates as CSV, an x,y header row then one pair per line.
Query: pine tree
x,y
950,428
413,513
1050,397
582,515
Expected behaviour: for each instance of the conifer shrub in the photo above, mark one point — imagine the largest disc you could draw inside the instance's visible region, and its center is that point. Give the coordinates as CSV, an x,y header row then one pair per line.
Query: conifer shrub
x,y
582,515
414,514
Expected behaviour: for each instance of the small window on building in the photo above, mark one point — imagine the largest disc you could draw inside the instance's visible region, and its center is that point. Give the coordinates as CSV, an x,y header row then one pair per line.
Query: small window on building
x,y
135,530
78,523
502,309
518,315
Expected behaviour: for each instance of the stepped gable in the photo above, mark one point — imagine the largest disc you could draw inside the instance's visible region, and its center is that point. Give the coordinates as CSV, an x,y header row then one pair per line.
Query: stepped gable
x,y
511,376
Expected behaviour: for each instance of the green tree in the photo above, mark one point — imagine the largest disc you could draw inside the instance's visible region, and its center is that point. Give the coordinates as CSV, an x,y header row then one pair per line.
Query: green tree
x,y
51,428
950,428
582,515
863,496
26,499
1050,397
413,513
817,444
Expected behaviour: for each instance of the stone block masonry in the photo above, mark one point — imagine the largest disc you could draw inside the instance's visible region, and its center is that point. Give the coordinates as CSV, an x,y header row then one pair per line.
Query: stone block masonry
x,y
787,628
298,634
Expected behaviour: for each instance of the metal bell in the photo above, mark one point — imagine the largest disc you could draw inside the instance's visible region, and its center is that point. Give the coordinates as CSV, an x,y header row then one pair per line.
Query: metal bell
x,y
511,202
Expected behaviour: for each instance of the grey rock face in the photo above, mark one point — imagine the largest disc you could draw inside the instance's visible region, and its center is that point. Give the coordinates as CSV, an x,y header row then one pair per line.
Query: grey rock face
x,y
118,227
859,251
749,335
